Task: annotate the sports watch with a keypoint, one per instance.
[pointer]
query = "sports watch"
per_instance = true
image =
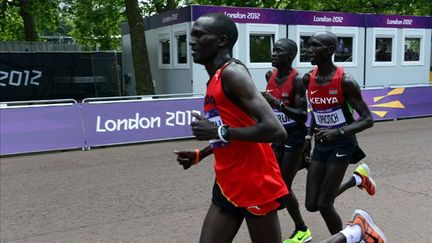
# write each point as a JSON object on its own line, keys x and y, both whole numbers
{"x": 223, "y": 133}
{"x": 340, "y": 131}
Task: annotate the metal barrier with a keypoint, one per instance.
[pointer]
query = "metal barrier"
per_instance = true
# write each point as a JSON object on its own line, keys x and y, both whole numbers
{"x": 122, "y": 120}
{"x": 41, "y": 125}
{"x": 46, "y": 125}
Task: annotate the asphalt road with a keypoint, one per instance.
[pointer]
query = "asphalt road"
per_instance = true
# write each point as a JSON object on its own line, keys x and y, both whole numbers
{"x": 138, "y": 193}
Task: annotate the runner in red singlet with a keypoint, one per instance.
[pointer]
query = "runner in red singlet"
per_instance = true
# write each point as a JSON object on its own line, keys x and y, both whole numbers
{"x": 334, "y": 96}
{"x": 286, "y": 94}
{"x": 240, "y": 125}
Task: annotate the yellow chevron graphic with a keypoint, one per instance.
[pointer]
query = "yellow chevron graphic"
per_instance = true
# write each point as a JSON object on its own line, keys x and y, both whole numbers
{"x": 393, "y": 104}
{"x": 378, "y": 98}
{"x": 396, "y": 91}
{"x": 380, "y": 113}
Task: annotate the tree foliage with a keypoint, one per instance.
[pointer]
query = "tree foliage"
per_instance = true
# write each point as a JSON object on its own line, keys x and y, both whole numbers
{"x": 96, "y": 23}
{"x": 24, "y": 19}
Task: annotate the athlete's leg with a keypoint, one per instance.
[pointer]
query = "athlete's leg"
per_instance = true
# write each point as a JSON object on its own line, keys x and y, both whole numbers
{"x": 289, "y": 168}
{"x": 219, "y": 226}
{"x": 337, "y": 238}
{"x": 347, "y": 184}
{"x": 360, "y": 178}
{"x": 264, "y": 229}
{"x": 329, "y": 188}
{"x": 316, "y": 173}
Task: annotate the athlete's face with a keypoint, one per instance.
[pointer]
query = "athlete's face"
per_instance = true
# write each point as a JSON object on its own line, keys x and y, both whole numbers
{"x": 204, "y": 41}
{"x": 281, "y": 55}
{"x": 319, "y": 51}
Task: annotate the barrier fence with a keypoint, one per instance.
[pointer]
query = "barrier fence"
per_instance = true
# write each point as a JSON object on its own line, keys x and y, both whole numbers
{"x": 35, "y": 126}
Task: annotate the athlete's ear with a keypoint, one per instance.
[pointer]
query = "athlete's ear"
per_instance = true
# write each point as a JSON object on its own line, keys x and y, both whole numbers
{"x": 332, "y": 49}
{"x": 223, "y": 40}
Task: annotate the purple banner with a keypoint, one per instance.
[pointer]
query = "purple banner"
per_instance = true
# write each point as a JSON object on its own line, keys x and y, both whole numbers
{"x": 114, "y": 123}
{"x": 394, "y": 103}
{"x": 288, "y": 17}
{"x": 168, "y": 18}
{"x": 325, "y": 18}
{"x": 398, "y": 21}
{"x": 34, "y": 129}
{"x": 245, "y": 15}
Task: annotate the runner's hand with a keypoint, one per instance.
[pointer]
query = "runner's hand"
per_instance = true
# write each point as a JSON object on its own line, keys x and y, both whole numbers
{"x": 325, "y": 135}
{"x": 270, "y": 99}
{"x": 186, "y": 158}
{"x": 203, "y": 129}
{"x": 307, "y": 149}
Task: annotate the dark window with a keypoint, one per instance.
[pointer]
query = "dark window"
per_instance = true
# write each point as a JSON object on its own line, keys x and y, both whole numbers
{"x": 261, "y": 47}
{"x": 165, "y": 48}
{"x": 304, "y": 48}
{"x": 383, "y": 49}
{"x": 344, "y": 50}
{"x": 181, "y": 49}
{"x": 412, "y": 49}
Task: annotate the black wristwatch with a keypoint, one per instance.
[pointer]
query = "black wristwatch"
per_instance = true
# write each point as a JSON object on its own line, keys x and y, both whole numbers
{"x": 223, "y": 133}
{"x": 340, "y": 131}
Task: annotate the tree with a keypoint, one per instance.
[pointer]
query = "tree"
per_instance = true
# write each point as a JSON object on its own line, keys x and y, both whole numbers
{"x": 23, "y": 19}
{"x": 96, "y": 23}
{"x": 143, "y": 78}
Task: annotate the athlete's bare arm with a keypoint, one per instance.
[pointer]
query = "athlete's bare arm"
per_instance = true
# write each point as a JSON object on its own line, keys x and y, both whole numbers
{"x": 352, "y": 93}
{"x": 306, "y": 79}
{"x": 187, "y": 158}
{"x": 299, "y": 113}
{"x": 239, "y": 87}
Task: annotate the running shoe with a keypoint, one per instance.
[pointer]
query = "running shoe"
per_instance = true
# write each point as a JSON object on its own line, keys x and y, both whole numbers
{"x": 299, "y": 236}
{"x": 367, "y": 182}
{"x": 370, "y": 232}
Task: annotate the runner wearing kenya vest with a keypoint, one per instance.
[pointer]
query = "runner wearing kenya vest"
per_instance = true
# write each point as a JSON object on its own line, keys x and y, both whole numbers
{"x": 330, "y": 109}
{"x": 333, "y": 95}
{"x": 286, "y": 94}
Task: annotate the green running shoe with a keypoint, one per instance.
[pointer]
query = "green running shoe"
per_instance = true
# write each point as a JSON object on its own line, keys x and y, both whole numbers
{"x": 299, "y": 236}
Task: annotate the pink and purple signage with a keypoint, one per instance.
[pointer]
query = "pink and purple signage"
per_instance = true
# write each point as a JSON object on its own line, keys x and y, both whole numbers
{"x": 288, "y": 17}
{"x": 398, "y": 21}
{"x": 35, "y": 129}
{"x": 325, "y": 18}
{"x": 245, "y": 15}
{"x": 128, "y": 122}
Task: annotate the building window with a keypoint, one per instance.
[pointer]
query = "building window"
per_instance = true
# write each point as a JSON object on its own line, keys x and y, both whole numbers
{"x": 304, "y": 48}
{"x": 181, "y": 49}
{"x": 165, "y": 51}
{"x": 383, "y": 49}
{"x": 413, "y": 46}
{"x": 412, "y": 49}
{"x": 344, "y": 50}
{"x": 261, "y": 46}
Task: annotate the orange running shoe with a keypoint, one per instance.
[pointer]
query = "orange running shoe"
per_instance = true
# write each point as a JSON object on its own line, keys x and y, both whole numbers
{"x": 370, "y": 232}
{"x": 367, "y": 182}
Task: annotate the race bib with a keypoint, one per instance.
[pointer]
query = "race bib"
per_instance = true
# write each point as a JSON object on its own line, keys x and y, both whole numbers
{"x": 214, "y": 117}
{"x": 285, "y": 120}
{"x": 329, "y": 119}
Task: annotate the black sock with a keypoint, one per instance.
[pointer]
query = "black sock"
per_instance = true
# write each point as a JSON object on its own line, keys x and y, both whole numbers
{"x": 302, "y": 227}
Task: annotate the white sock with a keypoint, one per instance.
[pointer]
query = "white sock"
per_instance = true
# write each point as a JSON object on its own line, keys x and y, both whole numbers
{"x": 358, "y": 179}
{"x": 352, "y": 233}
